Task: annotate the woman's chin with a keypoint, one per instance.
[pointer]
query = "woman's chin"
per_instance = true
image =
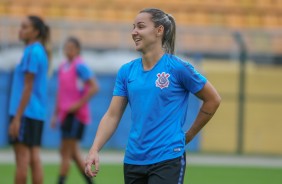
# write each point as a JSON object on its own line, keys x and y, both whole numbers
{"x": 138, "y": 48}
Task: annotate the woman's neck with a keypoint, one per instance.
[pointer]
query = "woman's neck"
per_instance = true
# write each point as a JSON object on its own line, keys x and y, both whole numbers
{"x": 150, "y": 58}
{"x": 31, "y": 41}
{"x": 72, "y": 58}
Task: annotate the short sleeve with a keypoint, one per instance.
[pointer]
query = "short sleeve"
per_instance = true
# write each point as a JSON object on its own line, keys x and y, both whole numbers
{"x": 120, "y": 88}
{"x": 190, "y": 78}
{"x": 84, "y": 72}
{"x": 31, "y": 61}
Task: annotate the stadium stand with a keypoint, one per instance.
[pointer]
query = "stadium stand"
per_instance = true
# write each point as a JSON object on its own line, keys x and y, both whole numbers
{"x": 231, "y": 15}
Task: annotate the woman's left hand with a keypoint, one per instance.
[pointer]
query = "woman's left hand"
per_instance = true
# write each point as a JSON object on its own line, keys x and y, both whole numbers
{"x": 74, "y": 108}
{"x": 54, "y": 122}
{"x": 14, "y": 128}
{"x": 188, "y": 137}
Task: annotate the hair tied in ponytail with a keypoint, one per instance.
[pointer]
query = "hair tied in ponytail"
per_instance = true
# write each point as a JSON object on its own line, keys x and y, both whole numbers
{"x": 167, "y": 21}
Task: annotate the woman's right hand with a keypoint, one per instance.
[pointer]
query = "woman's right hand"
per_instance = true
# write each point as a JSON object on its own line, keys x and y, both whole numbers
{"x": 54, "y": 122}
{"x": 106, "y": 128}
{"x": 92, "y": 159}
{"x": 14, "y": 128}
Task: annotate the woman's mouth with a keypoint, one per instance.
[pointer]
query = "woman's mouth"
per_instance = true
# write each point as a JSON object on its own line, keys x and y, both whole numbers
{"x": 136, "y": 40}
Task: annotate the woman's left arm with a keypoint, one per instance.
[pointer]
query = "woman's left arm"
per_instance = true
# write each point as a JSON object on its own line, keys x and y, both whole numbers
{"x": 93, "y": 89}
{"x": 211, "y": 101}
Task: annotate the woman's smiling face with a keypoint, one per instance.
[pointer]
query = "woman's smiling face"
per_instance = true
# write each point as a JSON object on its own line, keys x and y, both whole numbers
{"x": 144, "y": 33}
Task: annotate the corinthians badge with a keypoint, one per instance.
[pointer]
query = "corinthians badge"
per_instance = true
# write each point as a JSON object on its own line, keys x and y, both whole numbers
{"x": 162, "y": 80}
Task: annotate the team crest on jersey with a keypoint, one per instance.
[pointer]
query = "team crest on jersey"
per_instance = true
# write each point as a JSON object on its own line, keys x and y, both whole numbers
{"x": 162, "y": 80}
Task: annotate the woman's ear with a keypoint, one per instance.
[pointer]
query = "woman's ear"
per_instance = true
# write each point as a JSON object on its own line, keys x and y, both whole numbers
{"x": 36, "y": 32}
{"x": 160, "y": 30}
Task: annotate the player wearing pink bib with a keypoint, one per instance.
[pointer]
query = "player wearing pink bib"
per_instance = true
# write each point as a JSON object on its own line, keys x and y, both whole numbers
{"x": 76, "y": 86}
{"x": 71, "y": 92}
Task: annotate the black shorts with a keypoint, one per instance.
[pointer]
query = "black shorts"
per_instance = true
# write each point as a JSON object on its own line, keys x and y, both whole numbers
{"x": 30, "y": 132}
{"x": 72, "y": 128}
{"x": 165, "y": 172}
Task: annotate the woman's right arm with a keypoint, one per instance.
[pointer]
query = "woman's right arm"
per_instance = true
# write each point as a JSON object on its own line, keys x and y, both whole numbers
{"x": 55, "y": 115}
{"x": 105, "y": 130}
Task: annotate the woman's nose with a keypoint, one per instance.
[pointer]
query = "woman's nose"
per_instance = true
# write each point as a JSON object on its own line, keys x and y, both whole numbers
{"x": 134, "y": 32}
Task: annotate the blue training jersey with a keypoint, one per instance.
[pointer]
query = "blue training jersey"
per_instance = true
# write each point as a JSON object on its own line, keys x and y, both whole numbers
{"x": 34, "y": 61}
{"x": 84, "y": 72}
{"x": 158, "y": 99}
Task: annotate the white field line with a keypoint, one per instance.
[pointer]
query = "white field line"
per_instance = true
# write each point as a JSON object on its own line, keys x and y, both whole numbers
{"x": 48, "y": 157}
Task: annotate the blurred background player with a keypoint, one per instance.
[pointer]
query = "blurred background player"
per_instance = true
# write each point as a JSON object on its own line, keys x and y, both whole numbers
{"x": 28, "y": 99}
{"x": 76, "y": 87}
{"x": 157, "y": 87}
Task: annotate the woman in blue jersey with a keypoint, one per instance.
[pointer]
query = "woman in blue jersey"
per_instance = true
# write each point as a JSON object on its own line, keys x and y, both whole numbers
{"x": 157, "y": 87}
{"x": 29, "y": 99}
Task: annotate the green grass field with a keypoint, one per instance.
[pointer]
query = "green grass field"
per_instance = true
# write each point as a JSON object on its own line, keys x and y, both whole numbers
{"x": 112, "y": 174}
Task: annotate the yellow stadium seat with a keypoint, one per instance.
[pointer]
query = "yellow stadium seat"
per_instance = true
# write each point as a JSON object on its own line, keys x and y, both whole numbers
{"x": 45, "y": 3}
{"x": 16, "y": 10}
{"x": 61, "y": 3}
{"x": 234, "y": 14}
{"x": 265, "y": 4}
{"x": 235, "y": 21}
{"x": 128, "y": 15}
{"x": 75, "y": 3}
{"x": 201, "y": 19}
{"x": 280, "y": 21}
{"x": 253, "y": 20}
{"x": 91, "y": 14}
{"x": 18, "y": 2}
{"x": 270, "y": 21}
{"x": 3, "y": 8}
{"x": 95, "y": 14}
{"x": 182, "y": 18}
{"x": 246, "y": 3}
{"x": 53, "y": 11}
{"x": 229, "y": 3}
{"x": 109, "y": 15}
{"x": 73, "y": 13}
{"x": 279, "y": 4}
{"x": 216, "y": 19}
{"x": 85, "y": 14}
{"x": 36, "y": 10}
{"x": 195, "y": 2}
